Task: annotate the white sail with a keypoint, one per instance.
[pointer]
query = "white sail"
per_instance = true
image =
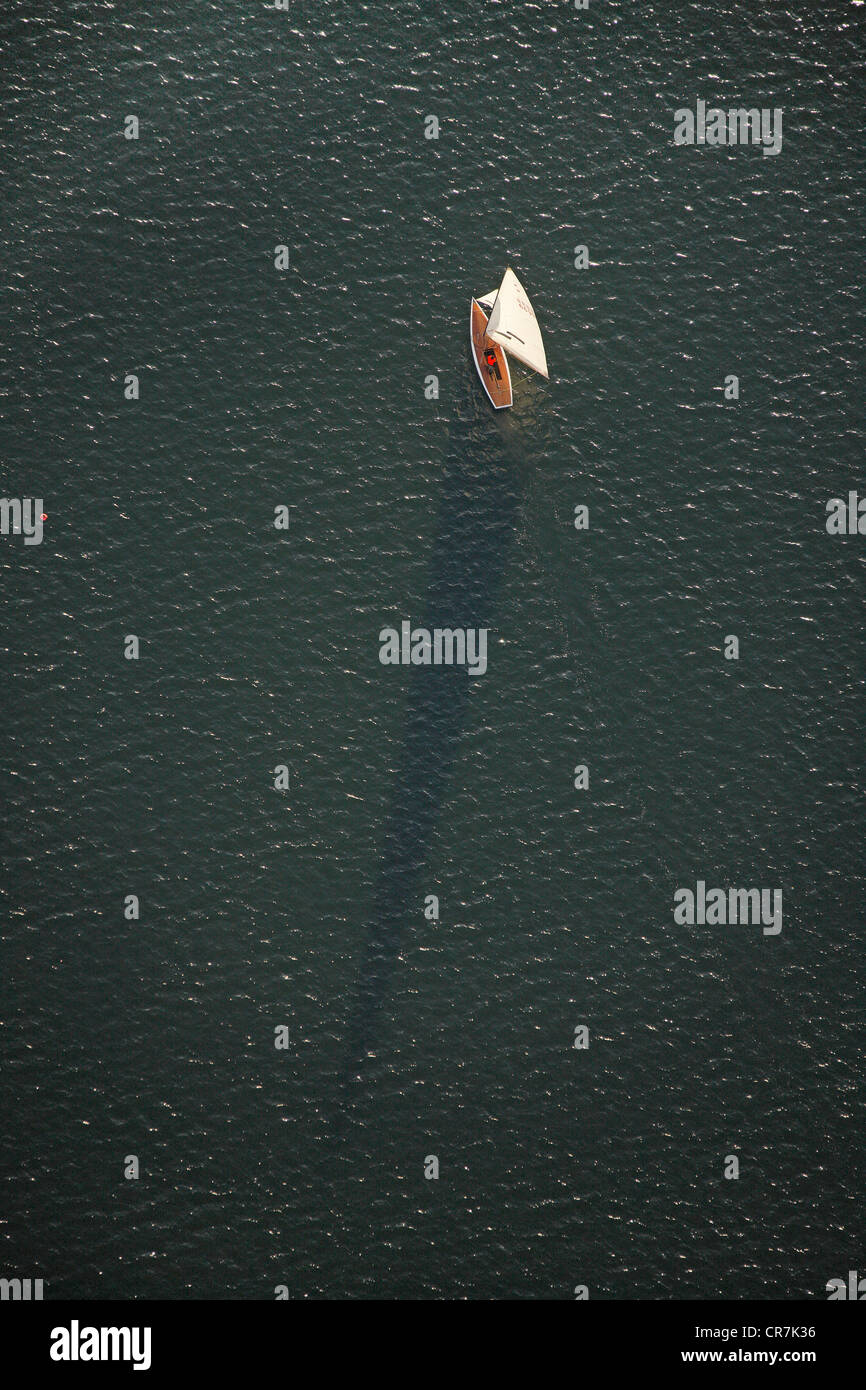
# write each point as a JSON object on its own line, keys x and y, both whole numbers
{"x": 513, "y": 323}
{"x": 486, "y": 300}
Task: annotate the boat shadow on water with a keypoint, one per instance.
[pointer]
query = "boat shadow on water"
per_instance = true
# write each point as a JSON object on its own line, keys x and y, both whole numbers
{"x": 486, "y": 471}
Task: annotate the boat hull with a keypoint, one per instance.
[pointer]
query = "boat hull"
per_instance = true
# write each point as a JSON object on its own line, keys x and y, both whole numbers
{"x": 490, "y": 360}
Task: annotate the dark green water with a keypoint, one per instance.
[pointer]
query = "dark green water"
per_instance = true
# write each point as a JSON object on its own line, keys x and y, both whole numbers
{"x": 259, "y": 647}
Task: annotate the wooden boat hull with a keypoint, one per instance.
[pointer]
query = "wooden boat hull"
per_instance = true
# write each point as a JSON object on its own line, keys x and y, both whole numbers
{"x": 490, "y": 360}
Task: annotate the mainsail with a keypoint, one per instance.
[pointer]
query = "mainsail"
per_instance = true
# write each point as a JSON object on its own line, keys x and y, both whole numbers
{"x": 513, "y": 323}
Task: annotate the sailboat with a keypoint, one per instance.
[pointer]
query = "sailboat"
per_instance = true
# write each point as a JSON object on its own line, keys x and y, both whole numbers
{"x": 504, "y": 322}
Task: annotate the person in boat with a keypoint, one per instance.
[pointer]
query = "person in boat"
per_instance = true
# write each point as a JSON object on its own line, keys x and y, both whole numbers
{"x": 492, "y": 364}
